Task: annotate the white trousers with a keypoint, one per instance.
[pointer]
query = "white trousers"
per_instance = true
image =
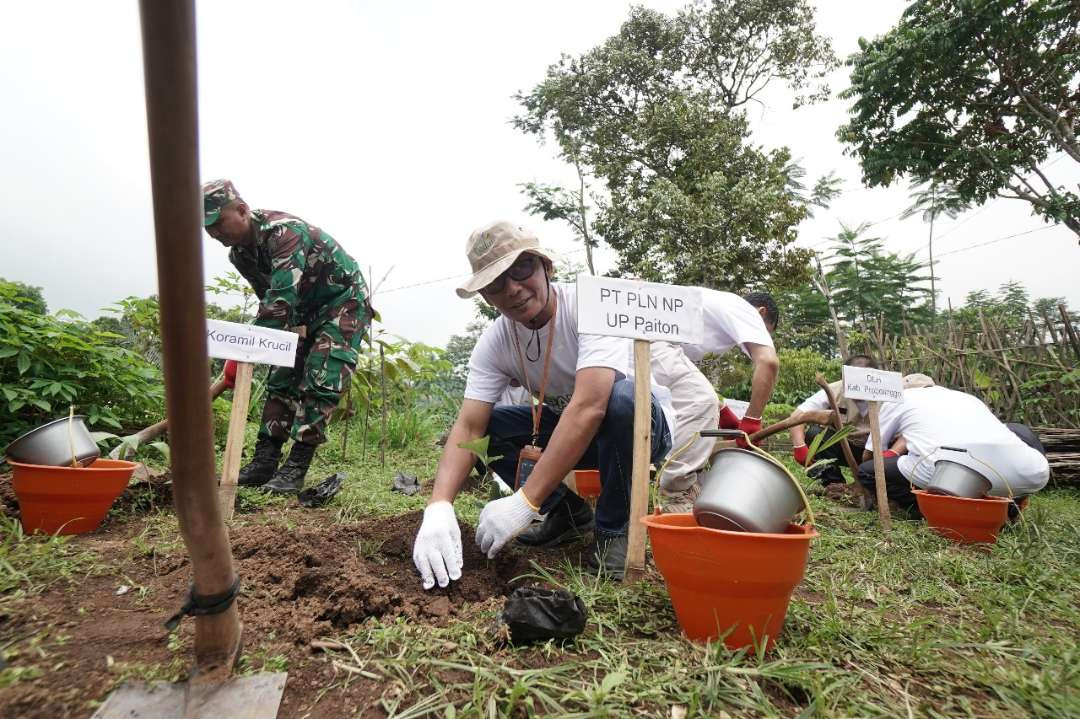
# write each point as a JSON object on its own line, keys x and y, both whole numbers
{"x": 696, "y": 408}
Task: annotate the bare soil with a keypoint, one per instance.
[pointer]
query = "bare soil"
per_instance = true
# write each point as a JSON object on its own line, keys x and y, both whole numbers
{"x": 303, "y": 578}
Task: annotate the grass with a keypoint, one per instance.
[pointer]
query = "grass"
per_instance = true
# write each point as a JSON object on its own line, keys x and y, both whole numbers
{"x": 907, "y": 624}
{"x": 29, "y": 564}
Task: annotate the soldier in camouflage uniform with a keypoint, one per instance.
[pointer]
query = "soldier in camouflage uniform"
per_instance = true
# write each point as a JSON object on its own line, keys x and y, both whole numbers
{"x": 302, "y": 278}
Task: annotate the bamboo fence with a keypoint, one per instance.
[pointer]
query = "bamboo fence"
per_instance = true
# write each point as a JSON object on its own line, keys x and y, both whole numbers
{"x": 1025, "y": 371}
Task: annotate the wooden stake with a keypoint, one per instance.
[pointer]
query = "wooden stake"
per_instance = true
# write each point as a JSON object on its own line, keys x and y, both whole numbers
{"x": 382, "y": 439}
{"x": 879, "y": 468}
{"x": 168, "y": 40}
{"x": 639, "y": 491}
{"x": 1067, "y": 321}
{"x": 234, "y": 442}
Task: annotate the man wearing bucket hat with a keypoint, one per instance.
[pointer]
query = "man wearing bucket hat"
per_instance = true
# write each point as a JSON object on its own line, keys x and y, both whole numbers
{"x": 931, "y": 420}
{"x": 729, "y": 321}
{"x": 582, "y": 416}
{"x": 302, "y": 277}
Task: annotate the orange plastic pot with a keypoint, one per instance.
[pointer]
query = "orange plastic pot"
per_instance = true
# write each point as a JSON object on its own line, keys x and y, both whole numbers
{"x": 587, "y": 482}
{"x": 68, "y": 500}
{"x": 731, "y": 584}
{"x": 964, "y": 520}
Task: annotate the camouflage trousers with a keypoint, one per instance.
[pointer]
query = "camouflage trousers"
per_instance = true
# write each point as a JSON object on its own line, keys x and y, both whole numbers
{"x": 300, "y": 399}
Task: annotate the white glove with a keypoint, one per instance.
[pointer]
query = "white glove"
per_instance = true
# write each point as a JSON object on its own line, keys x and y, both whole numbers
{"x": 503, "y": 519}
{"x": 437, "y": 550}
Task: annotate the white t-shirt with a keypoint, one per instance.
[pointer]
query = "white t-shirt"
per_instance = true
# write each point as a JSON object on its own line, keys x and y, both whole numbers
{"x": 729, "y": 321}
{"x": 494, "y": 361}
{"x": 933, "y": 417}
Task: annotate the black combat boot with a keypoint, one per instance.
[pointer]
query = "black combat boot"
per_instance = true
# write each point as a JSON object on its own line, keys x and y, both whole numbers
{"x": 261, "y": 468}
{"x": 289, "y": 479}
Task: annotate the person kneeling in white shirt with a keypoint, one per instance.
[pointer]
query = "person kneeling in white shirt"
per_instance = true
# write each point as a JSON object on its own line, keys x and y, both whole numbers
{"x": 932, "y": 419}
{"x": 584, "y": 417}
{"x": 729, "y": 321}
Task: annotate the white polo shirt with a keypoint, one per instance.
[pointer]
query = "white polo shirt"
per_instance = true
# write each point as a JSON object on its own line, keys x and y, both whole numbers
{"x": 930, "y": 418}
{"x": 730, "y": 321}
{"x": 495, "y": 360}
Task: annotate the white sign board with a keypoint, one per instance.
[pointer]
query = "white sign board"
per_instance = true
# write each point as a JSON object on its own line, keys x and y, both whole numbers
{"x": 737, "y": 407}
{"x": 638, "y": 310}
{"x": 875, "y": 385}
{"x": 248, "y": 343}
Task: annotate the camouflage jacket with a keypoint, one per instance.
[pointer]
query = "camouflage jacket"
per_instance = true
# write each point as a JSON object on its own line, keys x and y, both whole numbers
{"x": 300, "y": 273}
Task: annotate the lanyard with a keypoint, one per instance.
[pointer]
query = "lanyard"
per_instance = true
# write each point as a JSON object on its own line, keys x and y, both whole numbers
{"x": 537, "y": 407}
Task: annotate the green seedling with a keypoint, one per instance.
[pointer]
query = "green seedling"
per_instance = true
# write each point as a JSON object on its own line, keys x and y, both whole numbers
{"x": 479, "y": 447}
{"x": 129, "y": 445}
{"x": 820, "y": 444}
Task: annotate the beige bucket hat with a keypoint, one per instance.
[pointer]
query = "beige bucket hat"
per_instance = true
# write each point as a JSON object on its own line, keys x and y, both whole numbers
{"x": 916, "y": 380}
{"x": 493, "y": 248}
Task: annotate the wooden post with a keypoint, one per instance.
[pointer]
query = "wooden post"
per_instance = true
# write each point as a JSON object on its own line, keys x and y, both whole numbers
{"x": 234, "y": 442}
{"x": 382, "y": 439}
{"x": 639, "y": 492}
{"x": 1069, "y": 330}
{"x": 168, "y": 35}
{"x": 879, "y": 468}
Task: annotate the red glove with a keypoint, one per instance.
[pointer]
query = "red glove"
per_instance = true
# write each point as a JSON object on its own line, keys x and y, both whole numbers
{"x": 728, "y": 419}
{"x": 800, "y": 454}
{"x": 748, "y": 425}
{"x": 889, "y": 453}
{"x": 230, "y": 373}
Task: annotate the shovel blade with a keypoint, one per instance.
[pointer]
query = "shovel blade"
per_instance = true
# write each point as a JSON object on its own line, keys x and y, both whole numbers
{"x": 252, "y": 697}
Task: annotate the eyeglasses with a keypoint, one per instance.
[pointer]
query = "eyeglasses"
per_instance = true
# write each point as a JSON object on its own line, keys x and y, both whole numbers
{"x": 522, "y": 269}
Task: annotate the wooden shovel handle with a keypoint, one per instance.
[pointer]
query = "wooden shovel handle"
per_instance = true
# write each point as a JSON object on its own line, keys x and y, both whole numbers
{"x": 817, "y": 416}
{"x": 156, "y": 430}
{"x": 838, "y": 424}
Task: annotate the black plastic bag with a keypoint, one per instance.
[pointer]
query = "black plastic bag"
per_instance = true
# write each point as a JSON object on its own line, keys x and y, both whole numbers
{"x": 407, "y": 484}
{"x": 536, "y": 614}
{"x": 322, "y": 492}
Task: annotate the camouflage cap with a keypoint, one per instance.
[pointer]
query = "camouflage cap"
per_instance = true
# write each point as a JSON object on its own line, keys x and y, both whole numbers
{"x": 217, "y": 194}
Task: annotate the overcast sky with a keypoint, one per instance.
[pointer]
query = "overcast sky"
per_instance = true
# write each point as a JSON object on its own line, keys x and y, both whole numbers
{"x": 386, "y": 124}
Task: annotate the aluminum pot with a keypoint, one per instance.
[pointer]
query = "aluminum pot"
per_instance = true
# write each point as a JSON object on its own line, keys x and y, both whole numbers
{"x": 744, "y": 492}
{"x": 54, "y": 443}
{"x": 957, "y": 480}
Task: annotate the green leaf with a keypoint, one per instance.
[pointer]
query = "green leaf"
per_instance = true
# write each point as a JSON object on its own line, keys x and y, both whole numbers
{"x": 161, "y": 447}
{"x": 6, "y": 352}
{"x": 478, "y": 446}
{"x": 23, "y": 363}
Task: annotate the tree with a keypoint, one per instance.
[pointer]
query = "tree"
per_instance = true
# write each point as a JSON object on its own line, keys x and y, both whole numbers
{"x": 976, "y": 94}
{"x": 931, "y": 200}
{"x": 869, "y": 284}
{"x": 27, "y": 296}
{"x": 804, "y": 320}
{"x": 231, "y": 285}
{"x": 656, "y": 114}
{"x": 552, "y": 202}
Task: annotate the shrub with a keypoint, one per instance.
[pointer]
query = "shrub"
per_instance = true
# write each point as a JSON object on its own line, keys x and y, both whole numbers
{"x": 48, "y": 362}
{"x": 731, "y": 374}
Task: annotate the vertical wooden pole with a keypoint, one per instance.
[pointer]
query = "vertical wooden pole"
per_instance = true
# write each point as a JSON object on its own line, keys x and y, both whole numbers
{"x": 168, "y": 35}
{"x": 348, "y": 415}
{"x": 639, "y": 491}
{"x": 382, "y": 440}
{"x": 1069, "y": 330}
{"x": 234, "y": 441}
{"x": 879, "y": 468}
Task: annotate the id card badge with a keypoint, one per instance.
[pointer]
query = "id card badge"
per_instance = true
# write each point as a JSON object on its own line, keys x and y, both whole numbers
{"x": 527, "y": 459}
